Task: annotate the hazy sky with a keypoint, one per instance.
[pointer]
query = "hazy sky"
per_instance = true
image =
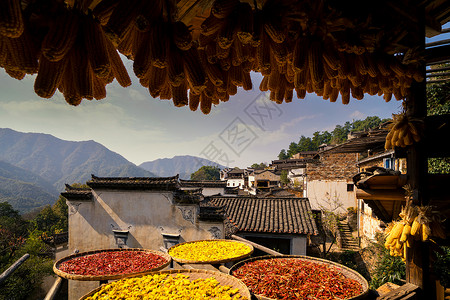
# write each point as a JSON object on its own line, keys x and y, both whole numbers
{"x": 248, "y": 128}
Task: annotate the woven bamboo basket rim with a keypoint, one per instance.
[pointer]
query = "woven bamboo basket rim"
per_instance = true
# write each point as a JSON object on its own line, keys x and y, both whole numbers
{"x": 346, "y": 271}
{"x": 217, "y": 261}
{"x": 222, "y": 278}
{"x": 78, "y": 277}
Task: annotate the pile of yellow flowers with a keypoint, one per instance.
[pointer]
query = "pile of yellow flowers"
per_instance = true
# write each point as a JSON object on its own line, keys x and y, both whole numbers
{"x": 209, "y": 250}
{"x": 164, "y": 287}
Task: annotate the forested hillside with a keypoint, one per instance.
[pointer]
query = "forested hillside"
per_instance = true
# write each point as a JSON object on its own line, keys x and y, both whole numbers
{"x": 337, "y": 136}
{"x": 34, "y": 167}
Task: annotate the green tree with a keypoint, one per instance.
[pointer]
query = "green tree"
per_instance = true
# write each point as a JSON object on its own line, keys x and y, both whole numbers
{"x": 320, "y": 138}
{"x": 438, "y": 103}
{"x": 337, "y": 136}
{"x": 260, "y": 165}
{"x": 27, "y": 279}
{"x": 283, "y": 155}
{"x": 13, "y": 231}
{"x": 206, "y": 173}
{"x": 293, "y": 148}
{"x": 46, "y": 220}
{"x": 340, "y": 133}
{"x": 367, "y": 123}
{"x": 61, "y": 210}
{"x": 15, "y": 241}
{"x": 305, "y": 144}
{"x": 284, "y": 177}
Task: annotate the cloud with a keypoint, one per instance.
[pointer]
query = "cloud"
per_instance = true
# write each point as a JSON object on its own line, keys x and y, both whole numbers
{"x": 357, "y": 115}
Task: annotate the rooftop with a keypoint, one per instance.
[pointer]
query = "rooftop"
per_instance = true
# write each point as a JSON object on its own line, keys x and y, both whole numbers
{"x": 165, "y": 183}
{"x": 203, "y": 183}
{"x": 268, "y": 215}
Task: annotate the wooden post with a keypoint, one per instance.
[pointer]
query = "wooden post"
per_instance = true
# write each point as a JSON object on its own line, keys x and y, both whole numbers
{"x": 417, "y": 258}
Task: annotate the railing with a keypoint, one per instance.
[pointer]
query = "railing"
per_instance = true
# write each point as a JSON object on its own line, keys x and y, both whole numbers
{"x": 13, "y": 267}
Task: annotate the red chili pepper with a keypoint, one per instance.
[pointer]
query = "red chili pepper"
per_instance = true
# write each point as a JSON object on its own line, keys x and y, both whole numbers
{"x": 293, "y": 278}
{"x": 112, "y": 263}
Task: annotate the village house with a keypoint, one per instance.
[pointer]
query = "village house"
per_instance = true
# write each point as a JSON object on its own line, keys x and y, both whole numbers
{"x": 284, "y": 224}
{"x": 329, "y": 182}
{"x": 157, "y": 213}
{"x": 379, "y": 181}
{"x": 208, "y": 187}
{"x": 150, "y": 213}
{"x": 263, "y": 180}
{"x": 295, "y": 168}
{"x": 236, "y": 178}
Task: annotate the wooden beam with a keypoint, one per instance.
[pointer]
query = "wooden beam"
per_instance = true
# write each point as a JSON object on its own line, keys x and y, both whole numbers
{"x": 378, "y": 194}
{"x": 437, "y": 54}
{"x": 417, "y": 257}
{"x": 404, "y": 292}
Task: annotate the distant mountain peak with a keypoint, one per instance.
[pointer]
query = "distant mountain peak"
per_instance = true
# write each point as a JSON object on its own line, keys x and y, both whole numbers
{"x": 59, "y": 162}
{"x": 184, "y": 165}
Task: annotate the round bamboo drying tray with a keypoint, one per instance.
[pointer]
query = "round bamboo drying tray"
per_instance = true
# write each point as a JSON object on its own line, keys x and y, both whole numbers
{"x": 217, "y": 261}
{"x": 347, "y": 272}
{"x": 194, "y": 274}
{"x": 112, "y": 276}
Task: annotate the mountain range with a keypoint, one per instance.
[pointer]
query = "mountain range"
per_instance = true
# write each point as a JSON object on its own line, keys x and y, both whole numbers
{"x": 184, "y": 165}
{"x": 35, "y": 166}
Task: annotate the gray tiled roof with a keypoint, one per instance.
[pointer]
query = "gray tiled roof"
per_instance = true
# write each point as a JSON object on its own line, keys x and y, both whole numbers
{"x": 166, "y": 183}
{"x": 270, "y": 215}
{"x": 77, "y": 193}
{"x": 203, "y": 183}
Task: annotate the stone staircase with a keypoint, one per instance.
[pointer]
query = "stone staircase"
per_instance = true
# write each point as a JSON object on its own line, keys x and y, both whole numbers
{"x": 347, "y": 241}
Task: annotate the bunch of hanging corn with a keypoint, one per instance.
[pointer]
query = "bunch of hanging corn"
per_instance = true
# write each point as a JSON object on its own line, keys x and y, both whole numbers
{"x": 403, "y": 131}
{"x": 417, "y": 223}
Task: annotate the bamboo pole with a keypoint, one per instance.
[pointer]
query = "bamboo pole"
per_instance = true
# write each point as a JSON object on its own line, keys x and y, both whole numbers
{"x": 13, "y": 267}
{"x": 54, "y": 290}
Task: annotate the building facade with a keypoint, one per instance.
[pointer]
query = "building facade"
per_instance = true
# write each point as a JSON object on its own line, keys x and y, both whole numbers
{"x": 329, "y": 181}
{"x": 149, "y": 213}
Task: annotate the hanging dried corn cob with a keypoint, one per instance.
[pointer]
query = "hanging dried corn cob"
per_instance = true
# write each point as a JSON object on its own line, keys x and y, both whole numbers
{"x": 123, "y": 16}
{"x": 22, "y": 53}
{"x": 49, "y": 76}
{"x": 159, "y": 42}
{"x": 117, "y": 68}
{"x": 95, "y": 43}
{"x": 11, "y": 21}
{"x": 176, "y": 68}
{"x": 194, "y": 100}
{"x": 180, "y": 95}
{"x": 182, "y": 37}
{"x": 103, "y": 10}
{"x": 222, "y": 8}
{"x": 19, "y": 75}
{"x": 193, "y": 70}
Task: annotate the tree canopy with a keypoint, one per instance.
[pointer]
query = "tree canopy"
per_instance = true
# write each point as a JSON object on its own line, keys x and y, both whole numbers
{"x": 337, "y": 136}
{"x": 206, "y": 173}
{"x": 438, "y": 102}
{"x": 258, "y": 166}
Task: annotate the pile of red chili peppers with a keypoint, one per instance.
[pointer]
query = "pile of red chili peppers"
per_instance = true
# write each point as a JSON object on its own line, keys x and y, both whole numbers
{"x": 296, "y": 278}
{"x": 112, "y": 263}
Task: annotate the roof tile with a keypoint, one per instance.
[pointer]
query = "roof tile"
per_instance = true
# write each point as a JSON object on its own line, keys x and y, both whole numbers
{"x": 277, "y": 215}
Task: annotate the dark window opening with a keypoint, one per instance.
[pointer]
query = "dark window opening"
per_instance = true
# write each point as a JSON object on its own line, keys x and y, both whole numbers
{"x": 280, "y": 245}
{"x": 350, "y": 187}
